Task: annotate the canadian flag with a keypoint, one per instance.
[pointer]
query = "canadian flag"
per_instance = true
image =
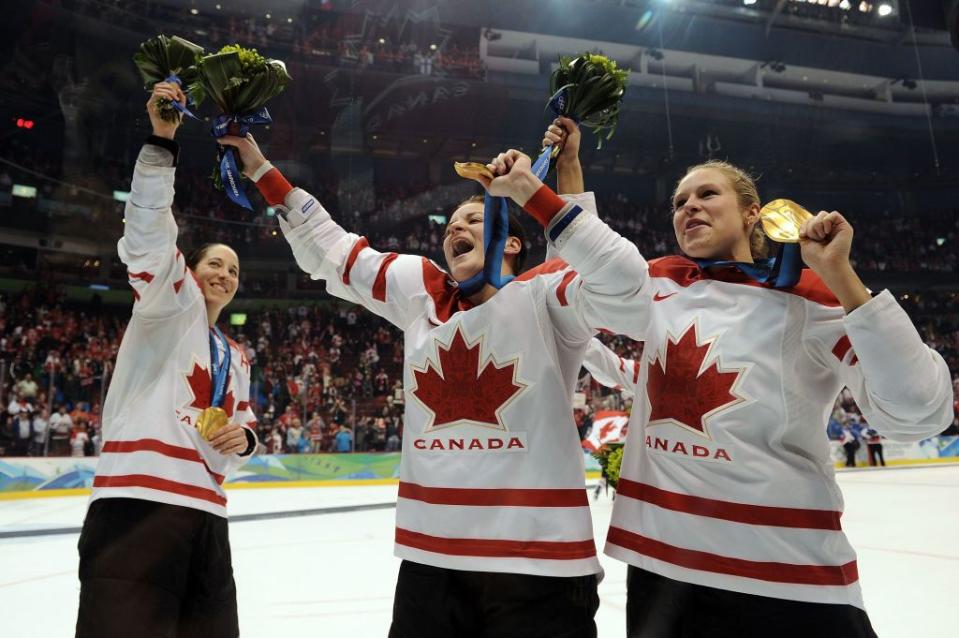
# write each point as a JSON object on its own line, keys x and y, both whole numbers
{"x": 608, "y": 427}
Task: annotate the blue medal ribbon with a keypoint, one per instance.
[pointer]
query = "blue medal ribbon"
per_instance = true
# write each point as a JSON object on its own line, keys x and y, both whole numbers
{"x": 173, "y": 79}
{"x": 496, "y": 217}
{"x": 229, "y": 172}
{"x": 219, "y": 370}
{"x": 496, "y": 226}
{"x": 781, "y": 271}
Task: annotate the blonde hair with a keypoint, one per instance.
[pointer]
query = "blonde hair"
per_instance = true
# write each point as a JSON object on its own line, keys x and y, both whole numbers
{"x": 745, "y": 187}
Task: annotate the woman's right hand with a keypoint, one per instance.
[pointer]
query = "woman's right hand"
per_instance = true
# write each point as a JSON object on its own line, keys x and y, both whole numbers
{"x": 168, "y": 91}
{"x": 250, "y": 154}
{"x": 564, "y": 134}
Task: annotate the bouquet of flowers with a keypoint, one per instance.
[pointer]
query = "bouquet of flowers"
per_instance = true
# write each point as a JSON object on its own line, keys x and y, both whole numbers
{"x": 240, "y": 82}
{"x": 169, "y": 59}
{"x": 610, "y": 457}
{"x": 589, "y": 89}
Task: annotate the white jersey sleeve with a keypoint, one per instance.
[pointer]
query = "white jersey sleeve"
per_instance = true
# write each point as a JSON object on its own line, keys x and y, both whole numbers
{"x": 156, "y": 269}
{"x": 902, "y": 386}
{"x": 387, "y": 284}
{"x": 608, "y": 287}
{"x": 610, "y": 369}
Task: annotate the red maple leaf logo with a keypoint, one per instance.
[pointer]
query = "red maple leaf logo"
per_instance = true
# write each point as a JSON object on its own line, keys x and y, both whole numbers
{"x": 681, "y": 390}
{"x": 202, "y": 387}
{"x": 460, "y": 389}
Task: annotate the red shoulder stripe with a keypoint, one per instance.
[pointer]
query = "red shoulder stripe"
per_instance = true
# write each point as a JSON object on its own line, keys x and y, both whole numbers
{"x": 561, "y": 288}
{"x": 145, "y": 276}
{"x": 177, "y": 285}
{"x": 360, "y": 244}
{"x": 841, "y": 348}
{"x": 379, "y": 284}
{"x": 685, "y": 272}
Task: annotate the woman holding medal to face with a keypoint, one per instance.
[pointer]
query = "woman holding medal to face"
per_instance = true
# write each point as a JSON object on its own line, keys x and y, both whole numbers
{"x": 728, "y": 512}
{"x": 154, "y": 551}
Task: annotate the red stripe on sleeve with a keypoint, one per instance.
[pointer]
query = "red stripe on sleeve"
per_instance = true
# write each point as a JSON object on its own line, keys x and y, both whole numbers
{"x": 828, "y": 575}
{"x": 145, "y": 276}
{"x": 635, "y": 371}
{"x": 561, "y": 288}
{"x": 841, "y": 348}
{"x": 358, "y": 247}
{"x": 544, "y": 205}
{"x": 274, "y": 187}
{"x": 554, "y": 550}
{"x": 379, "y": 285}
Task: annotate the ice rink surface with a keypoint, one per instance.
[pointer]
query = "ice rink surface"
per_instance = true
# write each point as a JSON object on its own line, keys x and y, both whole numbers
{"x": 332, "y": 574}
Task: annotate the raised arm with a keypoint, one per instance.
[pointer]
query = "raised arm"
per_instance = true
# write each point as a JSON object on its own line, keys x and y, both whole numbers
{"x": 902, "y": 386}
{"x": 388, "y": 284}
{"x": 609, "y": 285}
{"x": 155, "y": 268}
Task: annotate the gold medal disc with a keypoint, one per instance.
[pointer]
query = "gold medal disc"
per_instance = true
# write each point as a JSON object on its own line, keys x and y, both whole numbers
{"x": 210, "y": 421}
{"x": 472, "y": 170}
{"x": 782, "y": 219}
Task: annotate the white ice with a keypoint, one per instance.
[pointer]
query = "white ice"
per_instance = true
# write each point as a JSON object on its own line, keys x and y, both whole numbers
{"x": 333, "y": 574}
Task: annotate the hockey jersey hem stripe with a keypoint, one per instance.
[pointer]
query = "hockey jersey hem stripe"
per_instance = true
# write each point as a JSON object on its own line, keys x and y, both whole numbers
{"x": 501, "y": 548}
{"x": 495, "y": 497}
{"x": 727, "y": 510}
{"x": 155, "y": 445}
{"x": 833, "y": 575}
{"x": 161, "y": 484}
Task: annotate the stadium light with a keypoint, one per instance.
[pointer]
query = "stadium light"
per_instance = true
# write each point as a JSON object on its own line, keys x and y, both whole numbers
{"x": 749, "y": 2}
{"x": 121, "y": 196}
{"x": 884, "y": 10}
{"x": 21, "y": 190}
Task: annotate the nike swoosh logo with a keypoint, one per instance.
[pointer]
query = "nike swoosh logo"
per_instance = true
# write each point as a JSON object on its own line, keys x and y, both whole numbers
{"x": 659, "y": 297}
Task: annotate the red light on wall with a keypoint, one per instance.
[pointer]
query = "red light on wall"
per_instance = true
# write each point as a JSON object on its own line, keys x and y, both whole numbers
{"x": 24, "y": 123}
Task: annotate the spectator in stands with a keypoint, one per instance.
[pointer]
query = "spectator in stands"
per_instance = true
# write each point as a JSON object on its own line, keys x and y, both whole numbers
{"x": 343, "y": 440}
{"x": 40, "y": 425}
{"x": 61, "y": 425}
{"x": 21, "y": 417}
{"x": 27, "y": 388}
{"x": 79, "y": 438}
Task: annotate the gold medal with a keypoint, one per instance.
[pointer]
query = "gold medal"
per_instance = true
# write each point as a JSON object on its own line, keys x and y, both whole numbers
{"x": 472, "y": 170}
{"x": 210, "y": 422}
{"x": 782, "y": 219}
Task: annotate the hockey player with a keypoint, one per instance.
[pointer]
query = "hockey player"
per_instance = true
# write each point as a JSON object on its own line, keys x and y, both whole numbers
{"x": 492, "y": 520}
{"x": 154, "y": 550}
{"x": 728, "y": 511}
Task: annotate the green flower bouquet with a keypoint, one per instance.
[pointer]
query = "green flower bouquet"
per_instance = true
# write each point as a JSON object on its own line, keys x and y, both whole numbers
{"x": 169, "y": 59}
{"x": 240, "y": 82}
{"x": 610, "y": 457}
{"x": 589, "y": 88}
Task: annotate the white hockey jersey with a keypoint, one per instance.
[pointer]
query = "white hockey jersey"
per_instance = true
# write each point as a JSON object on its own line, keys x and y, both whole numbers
{"x": 492, "y": 471}
{"x": 151, "y": 448}
{"x": 727, "y": 479}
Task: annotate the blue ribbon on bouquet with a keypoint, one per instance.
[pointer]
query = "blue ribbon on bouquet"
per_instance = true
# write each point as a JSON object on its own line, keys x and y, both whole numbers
{"x": 781, "y": 271}
{"x": 174, "y": 79}
{"x": 496, "y": 219}
{"x": 230, "y": 174}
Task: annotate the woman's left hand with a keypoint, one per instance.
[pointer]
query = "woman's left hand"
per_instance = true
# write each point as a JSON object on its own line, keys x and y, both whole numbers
{"x": 230, "y": 439}
{"x": 513, "y": 177}
{"x": 825, "y": 242}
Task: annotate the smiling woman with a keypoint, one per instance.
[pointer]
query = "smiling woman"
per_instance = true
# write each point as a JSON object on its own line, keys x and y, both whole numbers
{"x": 154, "y": 551}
